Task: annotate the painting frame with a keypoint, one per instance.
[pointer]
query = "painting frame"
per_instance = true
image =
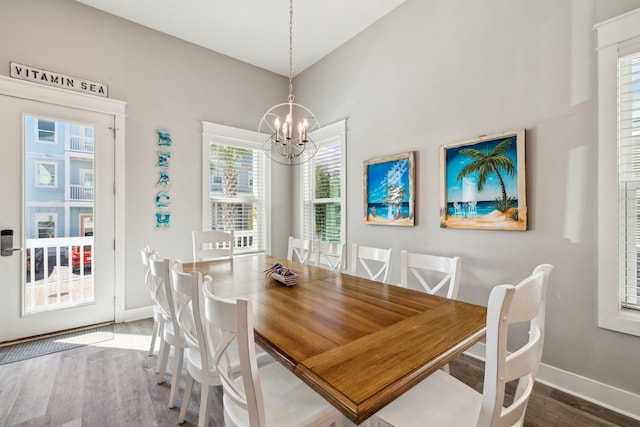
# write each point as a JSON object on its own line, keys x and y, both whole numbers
{"x": 483, "y": 183}
{"x": 388, "y": 203}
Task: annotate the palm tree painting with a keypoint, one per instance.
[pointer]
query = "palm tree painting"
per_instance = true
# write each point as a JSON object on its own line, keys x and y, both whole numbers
{"x": 389, "y": 190}
{"x": 484, "y": 183}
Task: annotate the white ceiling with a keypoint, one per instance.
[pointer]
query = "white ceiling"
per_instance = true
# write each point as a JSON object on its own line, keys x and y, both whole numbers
{"x": 256, "y": 31}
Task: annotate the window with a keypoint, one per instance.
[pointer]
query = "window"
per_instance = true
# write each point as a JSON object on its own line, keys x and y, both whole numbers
{"x": 46, "y": 174}
{"x": 81, "y": 138}
{"x": 234, "y": 186}
{"x": 46, "y": 131}
{"x": 86, "y": 224}
{"x": 629, "y": 176}
{"x": 619, "y": 173}
{"x": 323, "y": 184}
{"x": 86, "y": 178}
{"x": 46, "y": 225}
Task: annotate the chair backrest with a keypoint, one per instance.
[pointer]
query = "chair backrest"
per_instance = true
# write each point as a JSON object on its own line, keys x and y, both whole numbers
{"x": 330, "y": 254}
{"x": 229, "y": 320}
{"x": 434, "y": 273}
{"x": 188, "y": 303}
{"x": 508, "y": 304}
{"x": 146, "y": 253}
{"x": 300, "y": 248}
{"x": 159, "y": 269}
{"x": 212, "y": 244}
{"x": 369, "y": 258}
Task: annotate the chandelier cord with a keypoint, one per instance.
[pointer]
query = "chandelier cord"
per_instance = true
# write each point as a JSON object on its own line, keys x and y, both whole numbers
{"x": 290, "y": 98}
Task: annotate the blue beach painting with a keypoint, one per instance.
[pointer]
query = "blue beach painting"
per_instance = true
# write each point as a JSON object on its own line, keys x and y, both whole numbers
{"x": 389, "y": 190}
{"x": 484, "y": 183}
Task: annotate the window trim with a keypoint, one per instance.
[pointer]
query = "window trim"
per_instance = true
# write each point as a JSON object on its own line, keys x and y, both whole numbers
{"x": 612, "y": 35}
{"x": 227, "y": 135}
{"x": 325, "y": 136}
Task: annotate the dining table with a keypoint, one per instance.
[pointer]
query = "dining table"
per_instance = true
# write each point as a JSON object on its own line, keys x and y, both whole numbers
{"x": 357, "y": 342}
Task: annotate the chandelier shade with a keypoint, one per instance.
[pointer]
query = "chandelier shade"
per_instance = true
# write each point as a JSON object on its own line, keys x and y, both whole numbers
{"x": 289, "y": 125}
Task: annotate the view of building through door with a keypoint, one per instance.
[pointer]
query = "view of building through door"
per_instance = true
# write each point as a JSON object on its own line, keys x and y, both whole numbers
{"x": 58, "y": 199}
{"x": 58, "y": 214}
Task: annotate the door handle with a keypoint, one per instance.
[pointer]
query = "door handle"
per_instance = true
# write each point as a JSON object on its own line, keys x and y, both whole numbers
{"x": 6, "y": 243}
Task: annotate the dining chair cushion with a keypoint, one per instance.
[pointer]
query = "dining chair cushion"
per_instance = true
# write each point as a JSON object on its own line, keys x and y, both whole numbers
{"x": 460, "y": 406}
{"x": 278, "y": 388}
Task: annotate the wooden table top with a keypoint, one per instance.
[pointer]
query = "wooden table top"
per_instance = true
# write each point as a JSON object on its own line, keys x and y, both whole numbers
{"x": 358, "y": 343}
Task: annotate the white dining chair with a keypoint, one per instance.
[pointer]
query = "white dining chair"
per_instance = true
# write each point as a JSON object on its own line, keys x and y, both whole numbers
{"x": 298, "y": 250}
{"x": 158, "y": 321}
{"x": 329, "y": 254}
{"x": 212, "y": 244}
{"x": 436, "y": 274}
{"x": 198, "y": 357}
{"x": 371, "y": 258}
{"x": 172, "y": 333}
{"x": 442, "y": 400}
{"x": 270, "y": 396}
{"x": 199, "y": 362}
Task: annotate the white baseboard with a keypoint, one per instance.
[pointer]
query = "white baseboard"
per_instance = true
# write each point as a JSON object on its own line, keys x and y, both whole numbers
{"x": 609, "y": 397}
{"x": 134, "y": 314}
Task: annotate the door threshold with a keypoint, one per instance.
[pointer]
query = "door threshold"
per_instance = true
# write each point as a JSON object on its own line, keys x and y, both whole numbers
{"x": 53, "y": 334}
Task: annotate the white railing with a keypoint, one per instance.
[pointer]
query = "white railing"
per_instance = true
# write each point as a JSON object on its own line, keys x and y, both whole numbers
{"x": 80, "y": 193}
{"x": 245, "y": 241}
{"x": 79, "y": 143}
{"x": 50, "y": 281}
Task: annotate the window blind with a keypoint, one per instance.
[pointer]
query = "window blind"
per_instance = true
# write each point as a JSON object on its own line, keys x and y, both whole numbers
{"x": 322, "y": 193}
{"x": 237, "y": 195}
{"x": 629, "y": 175}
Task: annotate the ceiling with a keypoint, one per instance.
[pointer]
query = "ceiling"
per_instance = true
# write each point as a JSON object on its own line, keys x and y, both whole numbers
{"x": 256, "y": 31}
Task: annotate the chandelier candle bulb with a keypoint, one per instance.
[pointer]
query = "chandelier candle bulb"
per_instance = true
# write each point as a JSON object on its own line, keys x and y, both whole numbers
{"x": 305, "y": 124}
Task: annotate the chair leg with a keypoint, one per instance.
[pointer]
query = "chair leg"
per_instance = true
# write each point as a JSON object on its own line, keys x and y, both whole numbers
{"x": 154, "y": 334}
{"x": 175, "y": 376}
{"x": 188, "y": 387}
{"x": 204, "y": 400}
{"x": 161, "y": 348}
{"x": 162, "y": 361}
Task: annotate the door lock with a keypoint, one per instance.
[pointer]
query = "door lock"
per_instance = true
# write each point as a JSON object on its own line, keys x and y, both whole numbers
{"x": 6, "y": 243}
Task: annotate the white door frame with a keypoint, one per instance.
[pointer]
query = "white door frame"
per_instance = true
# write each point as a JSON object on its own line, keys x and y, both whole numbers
{"x": 55, "y": 96}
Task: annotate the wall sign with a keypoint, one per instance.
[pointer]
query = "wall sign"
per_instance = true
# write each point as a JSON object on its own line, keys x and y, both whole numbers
{"x": 50, "y": 78}
{"x": 163, "y": 198}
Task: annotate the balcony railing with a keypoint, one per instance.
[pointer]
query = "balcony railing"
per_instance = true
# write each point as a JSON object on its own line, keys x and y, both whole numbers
{"x": 53, "y": 278}
{"x": 80, "y": 143}
{"x": 80, "y": 193}
{"x": 245, "y": 241}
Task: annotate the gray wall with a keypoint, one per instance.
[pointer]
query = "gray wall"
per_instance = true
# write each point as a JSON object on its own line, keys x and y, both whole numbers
{"x": 440, "y": 71}
{"x": 167, "y": 84}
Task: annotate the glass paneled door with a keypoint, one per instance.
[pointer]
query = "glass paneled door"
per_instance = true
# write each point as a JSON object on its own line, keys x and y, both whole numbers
{"x": 58, "y": 181}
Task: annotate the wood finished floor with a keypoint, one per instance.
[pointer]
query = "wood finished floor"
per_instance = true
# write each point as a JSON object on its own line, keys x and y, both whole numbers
{"x": 113, "y": 384}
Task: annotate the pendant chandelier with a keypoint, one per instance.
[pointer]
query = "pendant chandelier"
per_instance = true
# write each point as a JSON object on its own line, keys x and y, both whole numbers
{"x": 289, "y": 125}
